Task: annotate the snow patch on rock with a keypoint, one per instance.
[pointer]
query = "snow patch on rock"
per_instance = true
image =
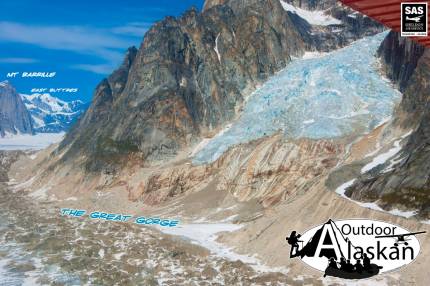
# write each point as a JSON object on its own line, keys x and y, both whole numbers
{"x": 312, "y": 17}
{"x": 206, "y": 234}
{"x": 382, "y": 158}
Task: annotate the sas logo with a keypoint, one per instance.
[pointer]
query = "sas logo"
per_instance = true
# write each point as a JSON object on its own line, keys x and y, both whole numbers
{"x": 355, "y": 248}
{"x": 414, "y": 17}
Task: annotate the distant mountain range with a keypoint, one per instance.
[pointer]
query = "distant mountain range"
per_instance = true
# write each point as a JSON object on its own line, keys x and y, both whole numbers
{"x": 36, "y": 113}
{"x": 50, "y": 114}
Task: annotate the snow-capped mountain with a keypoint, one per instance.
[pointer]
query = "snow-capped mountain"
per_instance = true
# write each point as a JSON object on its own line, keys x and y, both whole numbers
{"x": 51, "y": 114}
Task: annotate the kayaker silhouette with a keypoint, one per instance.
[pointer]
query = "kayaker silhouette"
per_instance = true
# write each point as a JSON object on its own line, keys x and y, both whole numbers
{"x": 293, "y": 240}
{"x": 350, "y": 271}
{"x": 358, "y": 267}
{"x": 366, "y": 262}
{"x": 332, "y": 263}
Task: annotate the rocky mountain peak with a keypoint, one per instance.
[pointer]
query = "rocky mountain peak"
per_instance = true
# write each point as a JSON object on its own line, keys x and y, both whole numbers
{"x": 14, "y": 116}
{"x": 190, "y": 77}
{"x": 210, "y": 3}
{"x": 304, "y": 4}
{"x": 118, "y": 78}
{"x": 4, "y": 83}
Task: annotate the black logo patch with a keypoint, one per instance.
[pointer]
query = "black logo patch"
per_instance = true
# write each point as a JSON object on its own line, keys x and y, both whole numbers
{"x": 414, "y": 19}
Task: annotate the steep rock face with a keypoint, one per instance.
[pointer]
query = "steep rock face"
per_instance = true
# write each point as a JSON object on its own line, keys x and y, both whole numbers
{"x": 403, "y": 181}
{"x": 190, "y": 76}
{"x": 400, "y": 57}
{"x": 7, "y": 158}
{"x": 407, "y": 64}
{"x": 108, "y": 90}
{"x": 211, "y": 3}
{"x": 14, "y": 116}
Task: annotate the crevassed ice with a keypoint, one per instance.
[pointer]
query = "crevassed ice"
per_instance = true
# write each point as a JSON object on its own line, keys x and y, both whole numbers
{"x": 324, "y": 97}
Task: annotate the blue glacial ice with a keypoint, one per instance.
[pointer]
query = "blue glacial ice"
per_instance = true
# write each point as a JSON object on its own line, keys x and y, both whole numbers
{"x": 329, "y": 96}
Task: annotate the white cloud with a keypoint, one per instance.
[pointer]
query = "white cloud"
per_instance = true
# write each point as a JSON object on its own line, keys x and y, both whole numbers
{"x": 136, "y": 29}
{"x": 108, "y": 44}
{"x": 100, "y": 69}
{"x": 58, "y": 37}
{"x": 18, "y": 60}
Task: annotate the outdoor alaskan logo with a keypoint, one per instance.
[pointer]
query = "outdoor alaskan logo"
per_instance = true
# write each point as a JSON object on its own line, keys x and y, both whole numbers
{"x": 414, "y": 19}
{"x": 355, "y": 248}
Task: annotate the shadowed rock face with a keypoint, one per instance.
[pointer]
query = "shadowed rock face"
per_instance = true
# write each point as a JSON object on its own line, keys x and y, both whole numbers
{"x": 408, "y": 64}
{"x": 407, "y": 185}
{"x": 190, "y": 76}
{"x": 400, "y": 57}
{"x": 14, "y": 116}
{"x": 7, "y": 158}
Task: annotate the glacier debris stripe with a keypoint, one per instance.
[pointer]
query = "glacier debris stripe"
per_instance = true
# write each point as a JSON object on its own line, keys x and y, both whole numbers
{"x": 331, "y": 96}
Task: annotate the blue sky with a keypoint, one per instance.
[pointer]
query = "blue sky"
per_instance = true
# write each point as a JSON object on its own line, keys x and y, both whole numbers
{"x": 82, "y": 41}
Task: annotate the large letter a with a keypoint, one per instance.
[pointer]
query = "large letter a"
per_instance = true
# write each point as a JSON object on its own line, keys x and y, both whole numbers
{"x": 327, "y": 245}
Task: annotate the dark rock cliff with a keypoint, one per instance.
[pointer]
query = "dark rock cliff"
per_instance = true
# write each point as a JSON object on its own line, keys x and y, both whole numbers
{"x": 400, "y": 57}
{"x": 304, "y": 4}
{"x": 190, "y": 76}
{"x": 407, "y": 184}
{"x": 14, "y": 116}
{"x": 7, "y": 158}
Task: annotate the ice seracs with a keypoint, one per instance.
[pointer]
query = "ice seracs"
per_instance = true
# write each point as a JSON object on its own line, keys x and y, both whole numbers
{"x": 329, "y": 96}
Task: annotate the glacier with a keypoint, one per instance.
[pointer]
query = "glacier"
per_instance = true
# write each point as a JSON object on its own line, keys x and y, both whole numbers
{"x": 327, "y": 96}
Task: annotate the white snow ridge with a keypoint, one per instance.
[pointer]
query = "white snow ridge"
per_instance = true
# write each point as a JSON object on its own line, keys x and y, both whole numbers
{"x": 312, "y": 17}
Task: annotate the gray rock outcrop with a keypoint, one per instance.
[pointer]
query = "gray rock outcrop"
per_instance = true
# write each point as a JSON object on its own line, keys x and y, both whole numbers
{"x": 191, "y": 75}
{"x": 14, "y": 116}
{"x": 406, "y": 185}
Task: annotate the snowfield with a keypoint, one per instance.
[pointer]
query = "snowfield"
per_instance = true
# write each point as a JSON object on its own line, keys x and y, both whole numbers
{"x": 382, "y": 158}
{"x": 206, "y": 234}
{"x": 30, "y": 142}
{"x": 312, "y": 17}
{"x": 373, "y": 206}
